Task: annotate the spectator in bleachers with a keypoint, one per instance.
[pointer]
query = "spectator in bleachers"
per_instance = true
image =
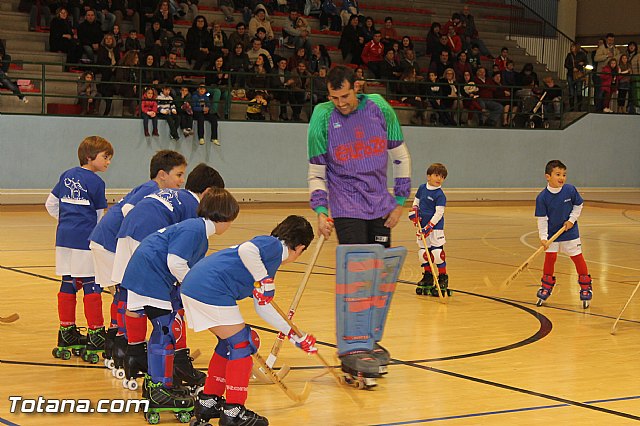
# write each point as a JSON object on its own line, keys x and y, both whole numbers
{"x": 473, "y": 57}
{"x": 36, "y": 9}
{"x": 187, "y": 9}
{"x": 107, "y": 57}
{"x": 127, "y": 75}
{"x": 62, "y": 37}
{"x": 305, "y": 32}
{"x": 199, "y": 46}
{"x": 624, "y": 82}
{"x": 441, "y": 64}
{"x": 147, "y": 10}
{"x": 486, "y": 88}
{"x": 149, "y": 111}
{"x": 501, "y": 61}
{"x": 433, "y": 39}
{"x": 238, "y": 62}
{"x": 634, "y": 93}
{"x": 167, "y": 111}
{"x": 389, "y": 70}
{"x": 156, "y": 40}
{"x": 268, "y": 45}
{"x": 185, "y": 112}
{"x": 449, "y": 100}
{"x": 320, "y": 90}
{"x": 127, "y": 10}
{"x": 433, "y": 90}
{"x": 300, "y": 89}
{"x": 132, "y": 42}
{"x": 461, "y": 66}
{"x": 409, "y": 62}
{"x": 361, "y": 81}
{"x": 5, "y": 63}
{"x": 454, "y": 23}
{"x": 173, "y": 74}
{"x": 469, "y": 94}
{"x": 349, "y": 44}
{"x": 300, "y": 55}
{"x": 349, "y": 8}
{"x": 527, "y": 71}
{"x": 217, "y": 81}
{"x": 442, "y": 46}
{"x": 552, "y": 102}
{"x": 604, "y": 53}
{"x": 609, "y": 84}
{"x": 202, "y": 111}
{"x": 368, "y": 29}
{"x": 281, "y": 84}
{"x": 295, "y": 37}
{"x": 257, "y": 106}
{"x": 164, "y": 16}
{"x": 261, "y": 20}
{"x": 389, "y": 34}
{"x": 470, "y": 34}
{"x": 502, "y": 95}
{"x": 395, "y": 46}
{"x": 87, "y": 93}
{"x": 454, "y": 41}
{"x": 406, "y": 44}
{"x": 90, "y": 35}
{"x": 220, "y": 40}
{"x": 257, "y": 50}
{"x": 509, "y": 76}
{"x": 574, "y": 63}
{"x": 240, "y": 36}
{"x": 259, "y": 78}
{"x": 409, "y": 93}
{"x": 117, "y": 36}
{"x": 319, "y": 58}
{"x": 329, "y": 16}
{"x": 104, "y": 16}
{"x": 150, "y": 75}
{"x": 373, "y": 54}
{"x": 227, "y": 7}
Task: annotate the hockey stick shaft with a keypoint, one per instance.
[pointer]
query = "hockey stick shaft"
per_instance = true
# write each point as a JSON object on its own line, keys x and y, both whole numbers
{"x": 615, "y": 324}
{"x": 526, "y": 263}
{"x": 275, "y": 349}
{"x": 431, "y": 264}
{"x": 299, "y": 398}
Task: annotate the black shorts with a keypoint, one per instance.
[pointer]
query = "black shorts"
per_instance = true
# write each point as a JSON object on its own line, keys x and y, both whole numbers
{"x": 362, "y": 231}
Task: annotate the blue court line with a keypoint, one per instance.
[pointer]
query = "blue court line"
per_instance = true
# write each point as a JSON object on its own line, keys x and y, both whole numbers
{"x": 7, "y": 422}
{"x": 515, "y": 410}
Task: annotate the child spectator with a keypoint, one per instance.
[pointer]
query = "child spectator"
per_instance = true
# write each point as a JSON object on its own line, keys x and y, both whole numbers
{"x": 150, "y": 111}
{"x": 559, "y": 206}
{"x": 553, "y": 99}
{"x": 78, "y": 201}
{"x": 501, "y": 61}
{"x": 209, "y": 293}
{"x": 473, "y": 58}
{"x": 624, "y": 82}
{"x": 454, "y": 41}
{"x": 470, "y": 95}
{"x": 117, "y": 37}
{"x": 609, "y": 83}
{"x": 428, "y": 214}
{"x": 87, "y": 92}
{"x": 185, "y": 112}
{"x": 167, "y": 111}
{"x": 257, "y": 106}
{"x": 389, "y": 34}
{"x": 201, "y": 106}
{"x": 329, "y": 19}
{"x": 132, "y": 42}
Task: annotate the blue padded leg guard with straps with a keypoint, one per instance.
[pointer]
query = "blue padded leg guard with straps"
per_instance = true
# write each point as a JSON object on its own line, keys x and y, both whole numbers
{"x": 384, "y": 287}
{"x": 161, "y": 350}
{"x": 240, "y": 345}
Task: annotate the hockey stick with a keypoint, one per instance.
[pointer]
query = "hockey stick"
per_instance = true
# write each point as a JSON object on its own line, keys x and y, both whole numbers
{"x": 11, "y": 318}
{"x": 431, "y": 265}
{"x": 324, "y": 362}
{"x": 261, "y": 376}
{"x": 298, "y": 398}
{"x": 275, "y": 349}
{"x": 615, "y": 324}
{"x": 526, "y": 263}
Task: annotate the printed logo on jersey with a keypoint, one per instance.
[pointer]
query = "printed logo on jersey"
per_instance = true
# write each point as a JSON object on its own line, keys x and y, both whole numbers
{"x": 360, "y": 148}
{"x": 337, "y": 125}
{"x": 167, "y": 197}
{"x": 76, "y": 190}
{"x": 568, "y": 200}
{"x": 430, "y": 198}
{"x": 381, "y": 239}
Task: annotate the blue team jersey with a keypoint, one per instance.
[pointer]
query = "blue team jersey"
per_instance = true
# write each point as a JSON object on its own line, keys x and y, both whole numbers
{"x": 222, "y": 278}
{"x": 429, "y": 200}
{"x": 147, "y": 273}
{"x": 557, "y": 208}
{"x": 80, "y": 193}
{"x": 105, "y": 233}
{"x": 158, "y": 210}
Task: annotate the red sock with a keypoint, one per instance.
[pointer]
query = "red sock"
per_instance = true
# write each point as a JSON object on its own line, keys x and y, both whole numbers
{"x": 66, "y": 309}
{"x": 93, "y": 310}
{"x": 549, "y": 263}
{"x": 215, "y": 383}
{"x": 442, "y": 270}
{"x": 114, "y": 314}
{"x": 121, "y": 308}
{"x": 581, "y": 265}
{"x": 179, "y": 330}
{"x": 237, "y": 375}
{"x": 136, "y": 329}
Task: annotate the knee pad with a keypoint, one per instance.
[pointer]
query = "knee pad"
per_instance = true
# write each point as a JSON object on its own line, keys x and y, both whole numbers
{"x": 88, "y": 285}
{"x": 422, "y": 257}
{"x": 68, "y": 285}
{"x": 439, "y": 257}
{"x": 241, "y": 345}
{"x": 162, "y": 333}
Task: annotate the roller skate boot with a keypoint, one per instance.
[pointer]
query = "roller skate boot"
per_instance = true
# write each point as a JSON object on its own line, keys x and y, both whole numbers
{"x": 207, "y": 407}
{"x": 95, "y": 345}
{"x": 425, "y": 285}
{"x": 586, "y": 292}
{"x": 238, "y": 415}
{"x": 119, "y": 352}
{"x": 162, "y": 399}
{"x": 70, "y": 341}
{"x": 135, "y": 365}
{"x": 382, "y": 356}
{"x": 185, "y": 373}
{"x": 443, "y": 280}
{"x": 361, "y": 369}
{"x": 547, "y": 283}
{"x": 108, "y": 347}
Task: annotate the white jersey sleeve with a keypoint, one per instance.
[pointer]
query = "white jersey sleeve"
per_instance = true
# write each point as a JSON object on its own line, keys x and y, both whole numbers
{"x": 177, "y": 266}
{"x": 53, "y": 206}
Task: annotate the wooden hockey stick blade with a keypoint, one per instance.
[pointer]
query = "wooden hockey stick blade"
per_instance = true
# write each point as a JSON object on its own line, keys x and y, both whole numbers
{"x": 11, "y": 318}
{"x": 615, "y": 324}
{"x": 277, "y": 345}
{"x": 298, "y": 398}
{"x": 261, "y": 376}
{"x": 526, "y": 263}
{"x": 196, "y": 354}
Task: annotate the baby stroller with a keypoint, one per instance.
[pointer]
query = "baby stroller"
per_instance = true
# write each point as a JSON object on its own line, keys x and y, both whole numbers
{"x": 534, "y": 116}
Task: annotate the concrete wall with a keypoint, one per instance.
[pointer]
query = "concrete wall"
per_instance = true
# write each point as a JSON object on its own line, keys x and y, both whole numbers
{"x": 600, "y": 151}
{"x": 595, "y": 18}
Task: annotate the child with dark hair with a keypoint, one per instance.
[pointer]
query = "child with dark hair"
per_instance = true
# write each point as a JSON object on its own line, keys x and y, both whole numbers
{"x": 87, "y": 93}
{"x": 185, "y": 112}
{"x": 149, "y": 108}
{"x": 210, "y": 292}
{"x": 201, "y": 106}
{"x": 167, "y": 110}
{"x": 257, "y": 106}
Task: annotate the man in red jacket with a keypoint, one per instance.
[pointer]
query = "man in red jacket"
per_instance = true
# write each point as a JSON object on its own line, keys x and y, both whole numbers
{"x": 373, "y": 54}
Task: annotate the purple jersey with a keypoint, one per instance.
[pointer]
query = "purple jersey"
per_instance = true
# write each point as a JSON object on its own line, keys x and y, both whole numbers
{"x": 81, "y": 193}
{"x": 557, "y": 208}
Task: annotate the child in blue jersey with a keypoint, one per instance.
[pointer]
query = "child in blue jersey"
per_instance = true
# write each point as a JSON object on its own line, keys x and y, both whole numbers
{"x": 155, "y": 211}
{"x": 428, "y": 213}
{"x": 153, "y": 278}
{"x": 166, "y": 170}
{"x": 78, "y": 201}
{"x": 558, "y": 206}
{"x": 209, "y": 294}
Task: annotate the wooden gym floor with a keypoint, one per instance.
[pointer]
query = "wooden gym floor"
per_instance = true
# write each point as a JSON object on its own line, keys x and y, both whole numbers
{"x": 485, "y": 358}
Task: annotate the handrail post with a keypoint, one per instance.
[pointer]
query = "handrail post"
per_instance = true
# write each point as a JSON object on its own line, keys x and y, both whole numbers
{"x": 42, "y": 89}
